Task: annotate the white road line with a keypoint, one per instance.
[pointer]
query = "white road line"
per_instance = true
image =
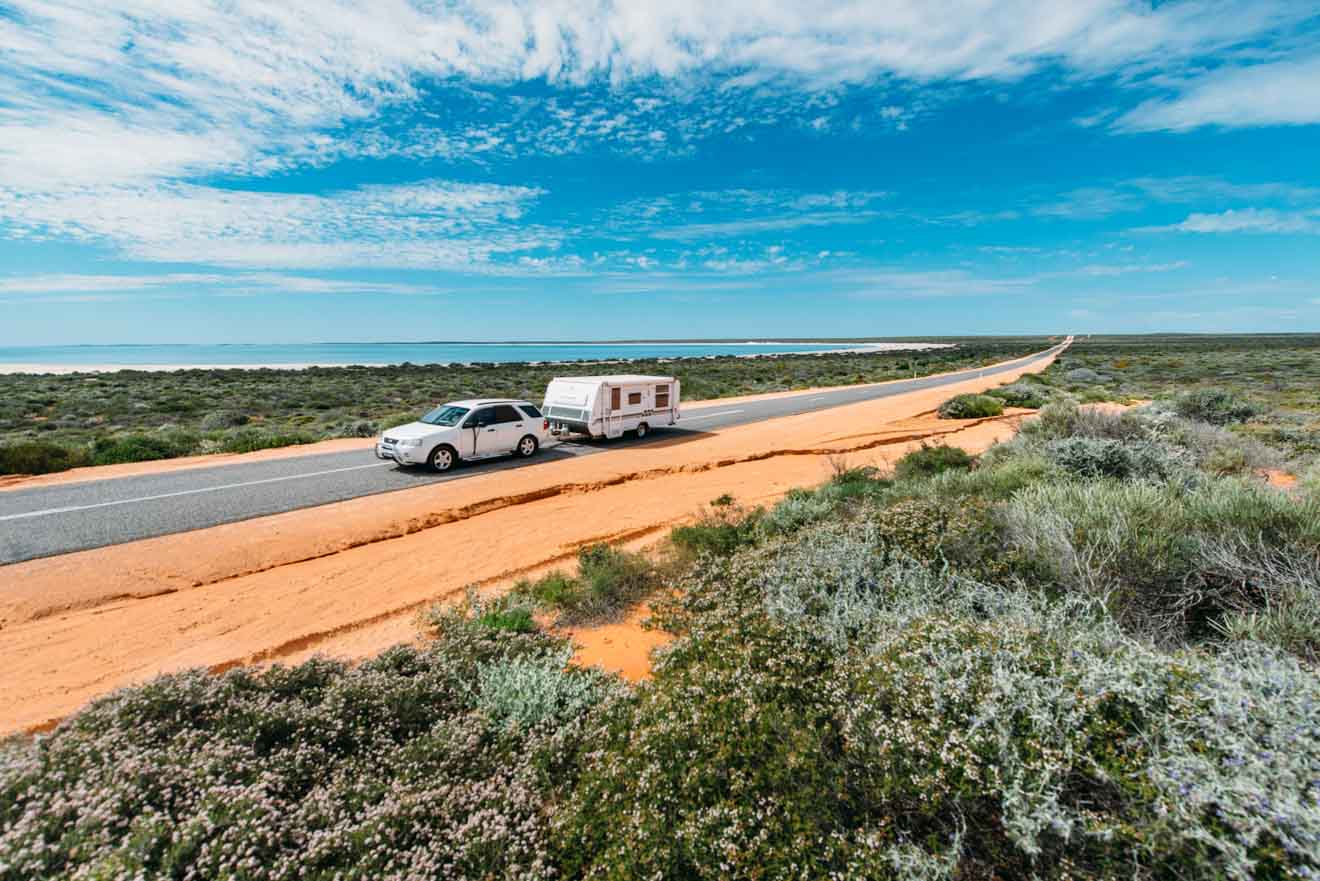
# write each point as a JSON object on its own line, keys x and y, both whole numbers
{"x": 188, "y": 492}
{"x": 709, "y": 415}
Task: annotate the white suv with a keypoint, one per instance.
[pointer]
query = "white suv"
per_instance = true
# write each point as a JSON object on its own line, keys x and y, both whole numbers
{"x": 460, "y": 430}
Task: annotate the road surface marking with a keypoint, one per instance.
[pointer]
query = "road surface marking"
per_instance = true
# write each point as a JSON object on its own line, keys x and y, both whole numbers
{"x": 188, "y": 492}
{"x": 711, "y": 415}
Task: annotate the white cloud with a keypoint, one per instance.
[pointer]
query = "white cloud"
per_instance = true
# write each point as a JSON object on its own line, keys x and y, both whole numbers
{"x": 756, "y": 226}
{"x": 921, "y": 284}
{"x": 433, "y": 224}
{"x": 54, "y": 287}
{"x": 1254, "y": 220}
{"x": 165, "y": 87}
{"x": 1271, "y": 93}
{"x": 1105, "y": 270}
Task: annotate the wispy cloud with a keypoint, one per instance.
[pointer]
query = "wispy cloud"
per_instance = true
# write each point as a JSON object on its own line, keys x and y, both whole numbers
{"x": 433, "y": 224}
{"x": 1272, "y": 93}
{"x": 97, "y": 287}
{"x": 1250, "y": 220}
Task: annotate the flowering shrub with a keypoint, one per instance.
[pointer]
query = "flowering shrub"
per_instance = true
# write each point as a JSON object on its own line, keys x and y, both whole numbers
{"x": 404, "y": 767}
{"x": 833, "y": 713}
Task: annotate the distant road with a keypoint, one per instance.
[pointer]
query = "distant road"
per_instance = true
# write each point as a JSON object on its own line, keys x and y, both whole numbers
{"x": 60, "y": 518}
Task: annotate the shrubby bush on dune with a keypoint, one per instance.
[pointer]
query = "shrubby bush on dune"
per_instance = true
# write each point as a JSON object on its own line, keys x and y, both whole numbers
{"x": 971, "y": 407}
{"x": 1215, "y": 406}
{"x": 434, "y": 763}
{"x": 831, "y": 713}
{"x": 1021, "y": 394}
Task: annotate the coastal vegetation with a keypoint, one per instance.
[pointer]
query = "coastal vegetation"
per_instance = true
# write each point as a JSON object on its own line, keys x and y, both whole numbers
{"x": 53, "y": 422}
{"x": 1088, "y": 653}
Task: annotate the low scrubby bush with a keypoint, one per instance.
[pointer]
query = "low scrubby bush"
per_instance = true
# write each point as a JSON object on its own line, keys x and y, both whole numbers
{"x": 526, "y": 692}
{"x": 607, "y": 580}
{"x": 719, "y": 532}
{"x": 1215, "y": 406}
{"x": 143, "y": 447}
{"x": 38, "y": 457}
{"x": 1092, "y": 457}
{"x": 929, "y": 461}
{"x": 831, "y": 714}
{"x": 1168, "y": 559}
{"x": 435, "y": 762}
{"x": 795, "y": 510}
{"x": 1020, "y": 395}
{"x": 222, "y": 419}
{"x": 251, "y": 440}
{"x": 971, "y": 407}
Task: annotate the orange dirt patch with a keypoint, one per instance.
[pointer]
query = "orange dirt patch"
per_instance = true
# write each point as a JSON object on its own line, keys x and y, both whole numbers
{"x": 622, "y": 647}
{"x": 348, "y": 578}
{"x": 1278, "y": 478}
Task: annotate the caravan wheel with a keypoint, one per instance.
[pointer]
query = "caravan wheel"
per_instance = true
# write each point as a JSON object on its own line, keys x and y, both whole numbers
{"x": 643, "y": 430}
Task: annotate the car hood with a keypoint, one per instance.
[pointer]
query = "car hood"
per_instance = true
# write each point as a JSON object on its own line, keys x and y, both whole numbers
{"x": 415, "y": 429}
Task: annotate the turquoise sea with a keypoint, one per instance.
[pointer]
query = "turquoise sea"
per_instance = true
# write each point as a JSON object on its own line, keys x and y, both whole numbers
{"x": 333, "y": 354}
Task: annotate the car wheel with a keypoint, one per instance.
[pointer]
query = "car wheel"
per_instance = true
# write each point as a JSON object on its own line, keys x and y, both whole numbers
{"x": 527, "y": 447}
{"x": 442, "y": 458}
{"x": 643, "y": 430}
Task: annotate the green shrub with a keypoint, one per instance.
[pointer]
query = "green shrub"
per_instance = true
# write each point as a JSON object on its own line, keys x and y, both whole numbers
{"x": 1170, "y": 561}
{"x": 222, "y": 419}
{"x": 1020, "y": 395}
{"x": 526, "y": 692}
{"x": 718, "y": 533}
{"x": 517, "y": 619}
{"x": 929, "y": 461}
{"x": 797, "y": 509}
{"x": 446, "y": 756}
{"x": 608, "y": 579}
{"x": 38, "y": 457}
{"x": 251, "y": 440}
{"x": 971, "y": 407}
{"x": 1216, "y": 406}
{"x": 832, "y": 715}
{"x": 142, "y": 447}
{"x": 1093, "y": 457}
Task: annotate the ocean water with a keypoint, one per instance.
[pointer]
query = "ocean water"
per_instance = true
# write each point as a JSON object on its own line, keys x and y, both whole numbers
{"x": 334, "y": 354}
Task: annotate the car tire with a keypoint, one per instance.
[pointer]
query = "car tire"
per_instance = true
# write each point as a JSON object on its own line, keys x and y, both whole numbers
{"x": 527, "y": 447}
{"x": 643, "y": 430}
{"x": 443, "y": 458}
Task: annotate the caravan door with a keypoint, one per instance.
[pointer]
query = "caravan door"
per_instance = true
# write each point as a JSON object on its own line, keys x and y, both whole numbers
{"x": 614, "y": 418}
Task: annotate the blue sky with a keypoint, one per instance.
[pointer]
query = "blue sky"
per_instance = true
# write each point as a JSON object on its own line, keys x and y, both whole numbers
{"x": 185, "y": 171}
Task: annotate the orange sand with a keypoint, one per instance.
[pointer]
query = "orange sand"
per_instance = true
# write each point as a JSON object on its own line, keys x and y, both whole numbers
{"x": 622, "y": 647}
{"x": 348, "y": 578}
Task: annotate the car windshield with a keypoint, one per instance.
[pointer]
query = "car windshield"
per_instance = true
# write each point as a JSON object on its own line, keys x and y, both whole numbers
{"x": 445, "y": 414}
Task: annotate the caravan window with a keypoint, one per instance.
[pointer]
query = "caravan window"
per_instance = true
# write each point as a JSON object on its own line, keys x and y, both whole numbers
{"x": 661, "y": 396}
{"x": 634, "y": 397}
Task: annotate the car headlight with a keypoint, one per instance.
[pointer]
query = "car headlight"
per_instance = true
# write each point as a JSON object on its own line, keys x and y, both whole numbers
{"x": 412, "y": 442}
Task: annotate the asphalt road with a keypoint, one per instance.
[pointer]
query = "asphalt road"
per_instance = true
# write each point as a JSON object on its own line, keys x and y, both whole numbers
{"x": 57, "y": 519}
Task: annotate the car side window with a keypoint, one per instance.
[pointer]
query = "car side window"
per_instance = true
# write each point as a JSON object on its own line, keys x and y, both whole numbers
{"x": 505, "y": 413}
{"x": 531, "y": 410}
{"x": 480, "y": 418}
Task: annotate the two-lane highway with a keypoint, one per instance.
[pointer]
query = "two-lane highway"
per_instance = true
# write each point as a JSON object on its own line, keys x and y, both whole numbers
{"x": 60, "y": 518}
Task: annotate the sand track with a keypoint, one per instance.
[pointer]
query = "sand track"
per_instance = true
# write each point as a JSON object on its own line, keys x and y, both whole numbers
{"x": 348, "y": 578}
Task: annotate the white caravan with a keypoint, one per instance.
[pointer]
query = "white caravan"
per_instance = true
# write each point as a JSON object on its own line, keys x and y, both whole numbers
{"x": 607, "y": 406}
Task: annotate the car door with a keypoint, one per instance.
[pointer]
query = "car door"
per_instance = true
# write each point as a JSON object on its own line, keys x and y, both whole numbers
{"x": 478, "y": 434}
{"x": 512, "y": 426}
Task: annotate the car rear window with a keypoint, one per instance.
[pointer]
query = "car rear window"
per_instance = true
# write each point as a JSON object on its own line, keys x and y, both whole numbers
{"x": 530, "y": 410}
